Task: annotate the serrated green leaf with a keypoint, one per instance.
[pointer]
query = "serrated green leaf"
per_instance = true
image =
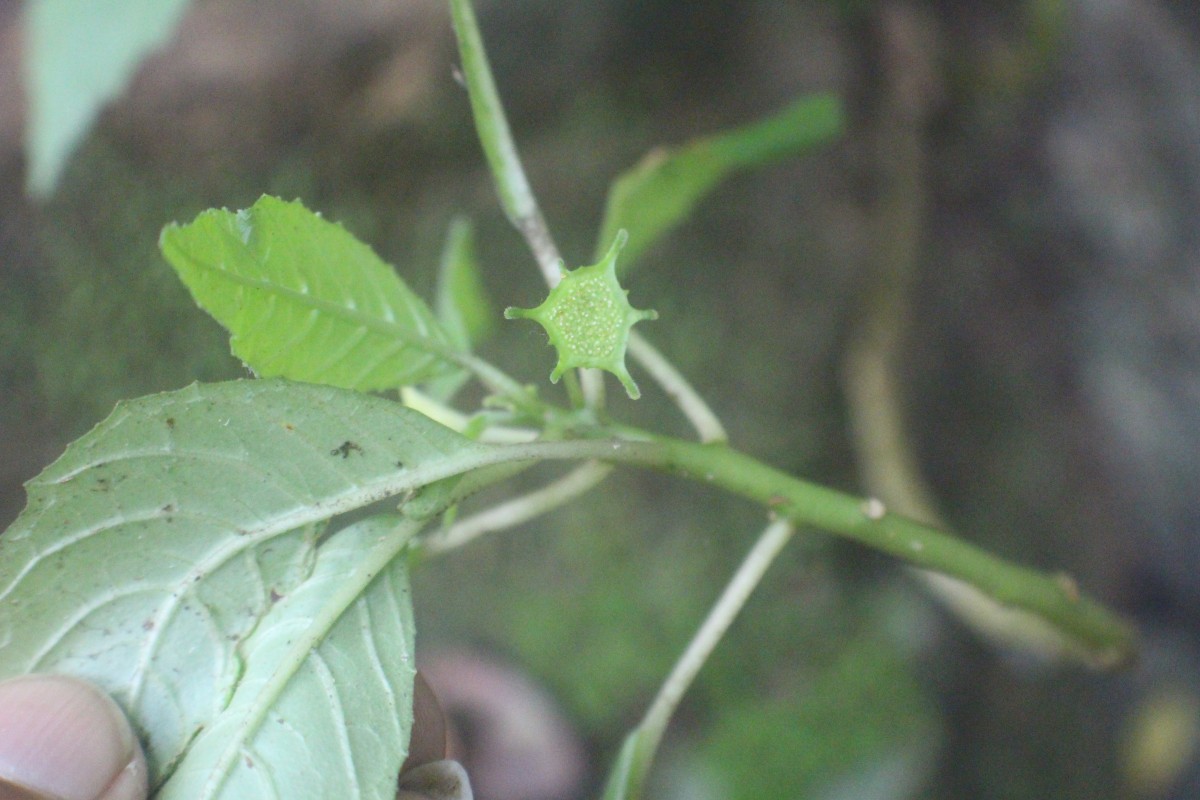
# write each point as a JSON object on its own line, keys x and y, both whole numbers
{"x": 80, "y": 56}
{"x": 324, "y": 707}
{"x": 662, "y": 189}
{"x": 303, "y": 299}
{"x": 149, "y": 552}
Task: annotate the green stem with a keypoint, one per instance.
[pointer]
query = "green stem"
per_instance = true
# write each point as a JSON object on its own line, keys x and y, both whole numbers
{"x": 677, "y": 388}
{"x": 457, "y": 421}
{"x": 649, "y": 732}
{"x": 518, "y": 510}
{"x": 1107, "y": 639}
{"x": 492, "y": 125}
{"x": 516, "y": 197}
{"x": 491, "y": 377}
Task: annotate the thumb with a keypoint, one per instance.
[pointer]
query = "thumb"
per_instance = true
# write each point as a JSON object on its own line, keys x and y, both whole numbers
{"x": 64, "y": 739}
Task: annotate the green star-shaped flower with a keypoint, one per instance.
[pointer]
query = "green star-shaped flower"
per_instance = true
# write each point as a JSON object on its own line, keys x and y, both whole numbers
{"x": 588, "y": 318}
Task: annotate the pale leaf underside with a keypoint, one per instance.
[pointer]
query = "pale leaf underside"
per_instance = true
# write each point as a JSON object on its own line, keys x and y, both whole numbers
{"x": 324, "y": 706}
{"x": 149, "y": 552}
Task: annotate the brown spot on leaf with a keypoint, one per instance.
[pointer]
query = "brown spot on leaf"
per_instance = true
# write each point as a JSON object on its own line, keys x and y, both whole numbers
{"x": 345, "y": 449}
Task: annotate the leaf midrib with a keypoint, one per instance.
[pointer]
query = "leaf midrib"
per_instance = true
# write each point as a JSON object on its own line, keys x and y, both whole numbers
{"x": 347, "y": 592}
{"x": 426, "y": 342}
{"x": 356, "y": 496}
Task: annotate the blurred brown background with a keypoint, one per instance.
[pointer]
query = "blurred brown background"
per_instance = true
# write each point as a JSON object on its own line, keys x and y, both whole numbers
{"x": 1033, "y": 168}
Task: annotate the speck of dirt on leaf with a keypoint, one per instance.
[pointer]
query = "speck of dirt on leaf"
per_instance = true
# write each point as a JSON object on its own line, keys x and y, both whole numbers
{"x": 345, "y": 449}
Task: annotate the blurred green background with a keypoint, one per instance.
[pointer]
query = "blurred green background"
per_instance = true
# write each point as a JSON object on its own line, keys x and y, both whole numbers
{"x": 1033, "y": 169}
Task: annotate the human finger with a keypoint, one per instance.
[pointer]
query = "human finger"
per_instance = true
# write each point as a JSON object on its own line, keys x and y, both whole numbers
{"x": 63, "y": 739}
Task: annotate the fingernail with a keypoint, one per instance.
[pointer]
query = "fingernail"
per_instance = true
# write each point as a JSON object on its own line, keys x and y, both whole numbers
{"x": 64, "y": 739}
{"x": 437, "y": 780}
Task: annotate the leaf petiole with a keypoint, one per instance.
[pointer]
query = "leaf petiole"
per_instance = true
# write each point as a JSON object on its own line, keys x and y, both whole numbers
{"x": 518, "y": 510}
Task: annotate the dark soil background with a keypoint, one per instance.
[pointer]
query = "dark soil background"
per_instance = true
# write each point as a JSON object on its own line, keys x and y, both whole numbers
{"x": 1046, "y": 154}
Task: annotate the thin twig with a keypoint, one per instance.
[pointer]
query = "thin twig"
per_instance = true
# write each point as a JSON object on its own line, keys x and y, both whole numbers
{"x": 677, "y": 388}
{"x": 541, "y": 242}
{"x": 456, "y": 420}
{"x": 519, "y": 509}
{"x": 1088, "y": 628}
{"x": 650, "y": 731}
{"x": 512, "y": 184}
{"x": 744, "y": 581}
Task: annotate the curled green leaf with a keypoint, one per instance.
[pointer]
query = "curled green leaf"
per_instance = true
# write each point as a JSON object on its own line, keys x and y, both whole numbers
{"x": 659, "y": 192}
{"x": 588, "y": 318}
